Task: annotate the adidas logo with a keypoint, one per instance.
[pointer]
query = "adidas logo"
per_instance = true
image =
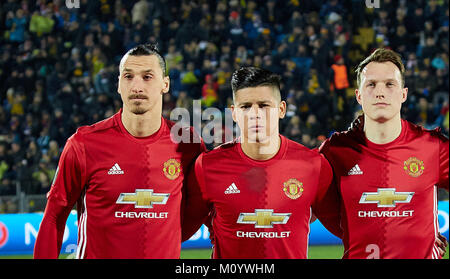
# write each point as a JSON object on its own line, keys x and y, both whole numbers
{"x": 115, "y": 170}
{"x": 355, "y": 170}
{"x": 232, "y": 189}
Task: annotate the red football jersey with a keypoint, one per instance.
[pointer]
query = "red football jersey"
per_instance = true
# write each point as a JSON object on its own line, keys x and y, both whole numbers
{"x": 261, "y": 209}
{"x": 388, "y": 192}
{"x": 128, "y": 192}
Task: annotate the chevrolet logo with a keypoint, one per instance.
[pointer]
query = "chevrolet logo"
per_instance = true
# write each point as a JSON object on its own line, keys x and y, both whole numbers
{"x": 386, "y": 197}
{"x": 263, "y": 218}
{"x": 143, "y": 198}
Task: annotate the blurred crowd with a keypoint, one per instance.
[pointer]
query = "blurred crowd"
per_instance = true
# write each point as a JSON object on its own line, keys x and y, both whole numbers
{"x": 59, "y": 65}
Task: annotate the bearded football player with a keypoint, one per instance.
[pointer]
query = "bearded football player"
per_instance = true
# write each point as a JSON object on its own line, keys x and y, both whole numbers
{"x": 125, "y": 174}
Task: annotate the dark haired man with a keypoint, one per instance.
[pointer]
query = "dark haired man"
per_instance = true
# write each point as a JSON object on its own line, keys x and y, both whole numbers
{"x": 387, "y": 170}
{"x": 261, "y": 190}
{"x": 125, "y": 174}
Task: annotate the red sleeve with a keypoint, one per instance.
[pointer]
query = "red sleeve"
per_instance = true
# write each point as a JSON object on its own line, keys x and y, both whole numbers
{"x": 443, "y": 163}
{"x": 327, "y": 203}
{"x": 64, "y": 193}
{"x": 196, "y": 207}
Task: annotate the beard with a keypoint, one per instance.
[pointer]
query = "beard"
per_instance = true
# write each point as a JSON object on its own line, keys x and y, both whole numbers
{"x": 138, "y": 108}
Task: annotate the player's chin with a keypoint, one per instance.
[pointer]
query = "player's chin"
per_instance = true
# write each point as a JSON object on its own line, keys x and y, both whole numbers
{"x": 139, "y": 109}
{"x": 380, "y": 116}
{"x": 257, "y": 137}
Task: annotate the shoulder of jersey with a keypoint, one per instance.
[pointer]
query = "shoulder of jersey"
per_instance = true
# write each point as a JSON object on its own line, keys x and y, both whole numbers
{"x": 170, "y": 124}
{"x": 294, "y": 148}
{"x": 224, "y": 147}
{"x": 338, "y": 137}
{"x": 192, "y": 133}
{"x": 419, "y": 130}
{"x": 97, "y": 127}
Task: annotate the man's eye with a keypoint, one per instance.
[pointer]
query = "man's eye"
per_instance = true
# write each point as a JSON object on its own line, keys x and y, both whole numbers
{"x": 147, "y": 77}
{"x": 389, "y": 84}
{"x": 128, "y": 76}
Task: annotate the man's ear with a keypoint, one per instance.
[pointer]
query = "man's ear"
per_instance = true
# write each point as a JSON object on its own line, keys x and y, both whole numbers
{"x": 118, "y": 84}
{"x": 404, "y": 94}
{"x": 233, "y": 112}
{"x": 358, "y": 96}
{"x": 166, "y": 88}
{"x": 282, "y": 109}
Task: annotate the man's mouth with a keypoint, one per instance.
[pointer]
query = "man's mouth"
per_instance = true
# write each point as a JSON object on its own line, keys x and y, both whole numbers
{"x": 137, "y": 97}
{"x": 256, "y": 127}
{"x": 381, "y": 104}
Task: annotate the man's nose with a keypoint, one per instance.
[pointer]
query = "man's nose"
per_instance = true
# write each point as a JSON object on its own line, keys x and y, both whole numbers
{"x": 137, "y": 85}
{"x": 379, "y": 92}
{"x": 254, "y": 112}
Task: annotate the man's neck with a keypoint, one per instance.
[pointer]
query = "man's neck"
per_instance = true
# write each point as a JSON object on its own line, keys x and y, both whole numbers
{"x": 141, "y": 125}
{"x": 382, "y": 132}
{"x": 261, "y": 150}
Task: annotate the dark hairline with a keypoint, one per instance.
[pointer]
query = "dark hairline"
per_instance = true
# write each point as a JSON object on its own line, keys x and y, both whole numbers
{"x": 275, "y": 89}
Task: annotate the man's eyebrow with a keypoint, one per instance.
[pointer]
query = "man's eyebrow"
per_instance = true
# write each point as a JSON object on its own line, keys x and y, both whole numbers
{"x": 384, "y": 80}
{"x": 258, "y": 102}
{"x": 143, "y": 71}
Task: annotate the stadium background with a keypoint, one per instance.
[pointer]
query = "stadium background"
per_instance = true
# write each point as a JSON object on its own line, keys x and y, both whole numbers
{"x": 59, "y": 68}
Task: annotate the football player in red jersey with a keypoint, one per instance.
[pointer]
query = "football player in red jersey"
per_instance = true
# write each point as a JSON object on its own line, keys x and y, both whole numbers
{"x": 387, "y": 170}
{"x": 125, "y": 174}
{"x": 260, "y": 190}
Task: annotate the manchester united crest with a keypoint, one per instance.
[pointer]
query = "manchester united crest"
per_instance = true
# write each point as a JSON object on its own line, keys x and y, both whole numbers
{"x": 293, "y": 188}
{"x": 413, "y": 166}
{"x": 172, "y": 169}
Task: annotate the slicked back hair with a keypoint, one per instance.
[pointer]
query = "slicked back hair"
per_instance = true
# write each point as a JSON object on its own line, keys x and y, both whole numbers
{"x": 145, "y": 50}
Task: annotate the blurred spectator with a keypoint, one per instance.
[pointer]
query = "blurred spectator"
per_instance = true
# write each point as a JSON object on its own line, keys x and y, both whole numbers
{"x": 340, "y": 84}
{"x": 41, "y": 24}
{"x": 53, "y": 152}
{"x": 173, "y": 57}
{"x": 184, "y": 101}
{"x": 168, "y": 105}
{"x": 6, "y": 187}
{"x": 16, "y": 23}
{"x": 43, "y": 175}
{"x": 209, "y": 91}
{"x": 425, "y": 83}
{"x": 312, "y": 127}
{"x": 190, "y": 79}
{"x": 224, "y": 73}
{"x": 33, "y": 154}
{"x": 140, "y": 12}
{"x": 294, "y": 129}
